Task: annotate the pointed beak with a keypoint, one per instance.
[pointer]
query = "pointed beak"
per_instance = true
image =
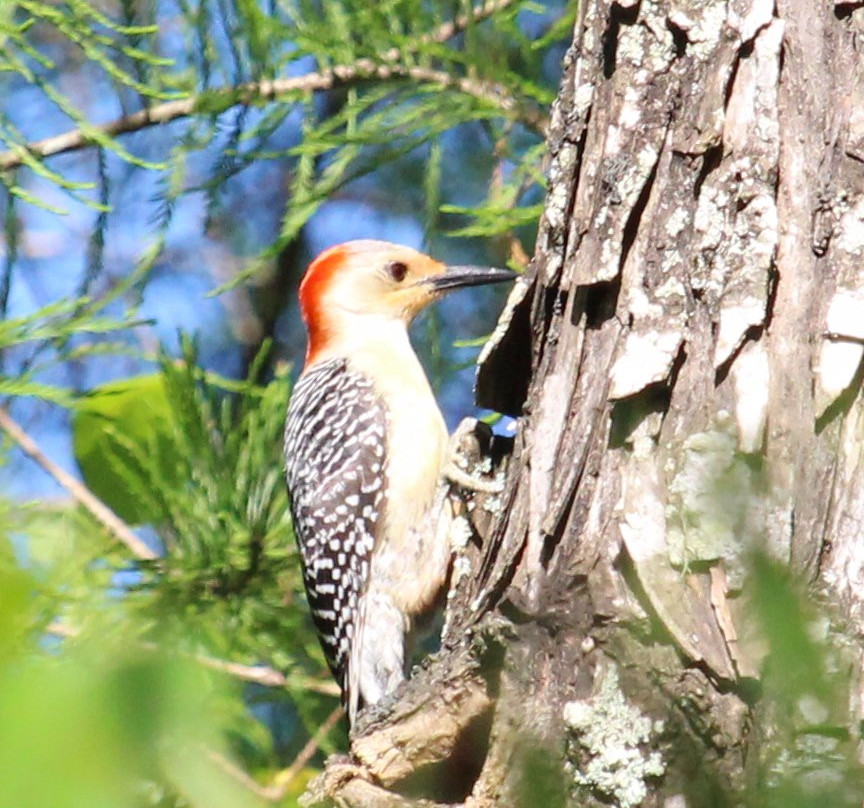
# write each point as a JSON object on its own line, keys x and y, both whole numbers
{"x": 458, "y": 276}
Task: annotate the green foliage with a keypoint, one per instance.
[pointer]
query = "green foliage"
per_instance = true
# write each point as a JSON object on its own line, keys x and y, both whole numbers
{"x": 203, "y": 466}
{"x": 505, "y": 209}
{"x": 56, "y": 324}
{"x": 399, "y": 77}
{"x": 90, "y": 724}
{"x": 110, "y": 418}
{"x": 198, "y": 457}
{"x": 809, "y": 758}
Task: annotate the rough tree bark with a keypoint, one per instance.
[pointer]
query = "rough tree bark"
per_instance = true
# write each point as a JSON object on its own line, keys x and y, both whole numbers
{"x": 685, "y": 354}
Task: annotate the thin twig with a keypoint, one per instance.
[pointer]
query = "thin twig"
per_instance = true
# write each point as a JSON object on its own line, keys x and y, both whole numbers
{"x": 79, "y": 492}
{"x": 263, "y": 675}
{"x": 455, "y": 26}
{"x": 237, "y": 773}
{"x": 284, "y": 778}
{"x": 253, "y": 92}
{"x": 257, "y": 674}
{"x": 447, "y": 30}
{"x": 279, "y": 788}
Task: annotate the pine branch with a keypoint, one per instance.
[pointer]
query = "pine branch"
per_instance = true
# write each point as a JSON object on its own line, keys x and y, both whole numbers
{"x": 268, "y": 90}
{"x": 80, "y": 493}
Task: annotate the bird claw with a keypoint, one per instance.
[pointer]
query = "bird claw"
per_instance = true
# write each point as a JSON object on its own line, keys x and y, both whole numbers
{"x": 463, "y": 479}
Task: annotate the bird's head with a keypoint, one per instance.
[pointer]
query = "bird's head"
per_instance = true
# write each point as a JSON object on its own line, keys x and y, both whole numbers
{"x": 376, "y": 280}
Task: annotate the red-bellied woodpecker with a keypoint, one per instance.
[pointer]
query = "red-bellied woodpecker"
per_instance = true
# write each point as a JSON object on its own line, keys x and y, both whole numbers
{"x": 365, "y": 446}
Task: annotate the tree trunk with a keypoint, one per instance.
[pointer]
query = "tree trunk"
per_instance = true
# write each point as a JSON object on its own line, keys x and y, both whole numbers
{"x": 686, "y": 355}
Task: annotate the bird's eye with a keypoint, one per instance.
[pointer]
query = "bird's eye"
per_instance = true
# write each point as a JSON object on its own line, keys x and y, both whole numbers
{"x": 397, "y": 270}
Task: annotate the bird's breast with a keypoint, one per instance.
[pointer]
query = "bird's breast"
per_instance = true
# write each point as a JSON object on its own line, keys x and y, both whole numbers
{"x": 410, "y": 560}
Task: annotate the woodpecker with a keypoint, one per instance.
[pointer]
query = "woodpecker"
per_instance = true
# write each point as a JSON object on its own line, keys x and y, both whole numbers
{"x": 365, "y": 446}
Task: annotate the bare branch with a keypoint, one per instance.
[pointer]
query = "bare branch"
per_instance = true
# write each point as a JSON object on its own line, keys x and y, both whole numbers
{"x": 339, "y": 76}
{"x": 80, "y": 493}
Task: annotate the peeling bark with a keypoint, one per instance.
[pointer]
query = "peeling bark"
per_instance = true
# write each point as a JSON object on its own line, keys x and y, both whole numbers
{"x": 685, "y": 354}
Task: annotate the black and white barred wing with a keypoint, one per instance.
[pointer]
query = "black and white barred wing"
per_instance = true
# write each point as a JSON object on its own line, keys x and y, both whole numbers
{"x": 335, "y": 443}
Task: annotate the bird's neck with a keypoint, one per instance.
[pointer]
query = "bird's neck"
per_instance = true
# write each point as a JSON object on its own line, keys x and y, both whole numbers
{"x": 378, "y": 348}
{"x": 375, "y": 345}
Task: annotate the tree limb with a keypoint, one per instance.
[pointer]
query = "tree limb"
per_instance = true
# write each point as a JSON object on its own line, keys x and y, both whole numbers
{"x": 343, "y": 787}
{"x": 427, "y": 723}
